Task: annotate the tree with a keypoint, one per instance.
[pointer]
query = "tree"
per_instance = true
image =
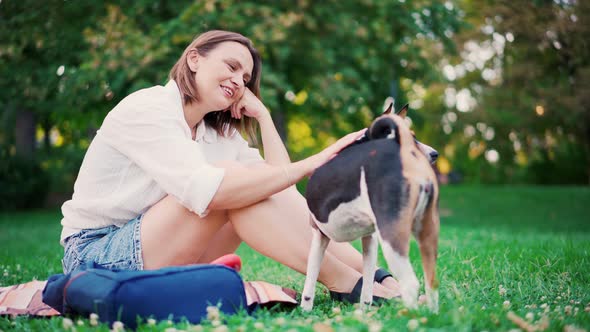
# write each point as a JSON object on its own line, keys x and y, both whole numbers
{"x": 529, "y": 73}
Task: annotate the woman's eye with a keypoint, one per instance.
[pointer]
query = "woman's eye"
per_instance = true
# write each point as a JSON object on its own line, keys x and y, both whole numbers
{"x": 231, "y": 67}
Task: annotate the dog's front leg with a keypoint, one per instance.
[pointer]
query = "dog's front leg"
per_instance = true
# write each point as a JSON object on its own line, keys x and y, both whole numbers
{"x": 319, "y": 242}
{"x": 369, "y": 262}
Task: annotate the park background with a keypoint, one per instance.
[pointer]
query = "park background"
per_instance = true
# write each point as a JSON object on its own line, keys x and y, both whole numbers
{"x": 500, "y": 88}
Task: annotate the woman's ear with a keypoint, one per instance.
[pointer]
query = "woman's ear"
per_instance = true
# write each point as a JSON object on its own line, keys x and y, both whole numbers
{"x": 192, "y": 60}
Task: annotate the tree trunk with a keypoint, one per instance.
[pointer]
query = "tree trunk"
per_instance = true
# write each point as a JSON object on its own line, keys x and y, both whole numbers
{"x": 25, "y": 134}
{"x": 280, "y": 120}
{"x": 46, "y": 134}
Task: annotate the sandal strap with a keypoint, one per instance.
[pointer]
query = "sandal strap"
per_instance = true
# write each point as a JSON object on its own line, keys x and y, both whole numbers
{"x": 381, "y": 274}
{"x": 355, "y": 295}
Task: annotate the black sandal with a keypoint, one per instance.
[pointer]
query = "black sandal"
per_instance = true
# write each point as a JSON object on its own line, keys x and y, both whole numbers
{"x": 381, "y": 274}
{"x": 355, "y": 295}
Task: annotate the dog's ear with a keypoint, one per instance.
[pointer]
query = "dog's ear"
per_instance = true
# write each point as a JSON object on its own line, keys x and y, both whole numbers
{"x": 384, "y": 127}
{"x": 389, "y": 109}
{"x": 403, "y": 111}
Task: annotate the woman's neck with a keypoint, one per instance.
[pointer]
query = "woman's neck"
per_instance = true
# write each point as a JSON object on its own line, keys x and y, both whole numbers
{"x": 193, "y": 113}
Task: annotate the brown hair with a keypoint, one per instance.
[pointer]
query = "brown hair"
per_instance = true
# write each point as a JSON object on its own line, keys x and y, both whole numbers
{"x": 222, "y": 122}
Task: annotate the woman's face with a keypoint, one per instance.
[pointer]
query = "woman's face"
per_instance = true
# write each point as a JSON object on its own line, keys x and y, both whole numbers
{"x": 222, "y": 74}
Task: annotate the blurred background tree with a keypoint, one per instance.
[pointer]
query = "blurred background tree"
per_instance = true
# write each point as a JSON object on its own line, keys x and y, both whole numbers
{"x": 517, "y": 97}
{"x": 486, "y": 81}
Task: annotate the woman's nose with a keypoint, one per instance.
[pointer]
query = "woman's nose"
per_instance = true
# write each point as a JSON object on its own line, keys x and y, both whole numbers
{"x": 237, "y": 81}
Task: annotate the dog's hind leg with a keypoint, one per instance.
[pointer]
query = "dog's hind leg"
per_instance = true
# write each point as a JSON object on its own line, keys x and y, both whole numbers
{"x": 370, "y": 245}
{"x": 396, "y": 246}
{"x": 428, "y": 243}
{"x": 319, "y": 242}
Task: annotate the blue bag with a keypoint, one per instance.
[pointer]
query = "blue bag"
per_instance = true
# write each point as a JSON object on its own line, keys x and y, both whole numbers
{"x": 167, "y": 293}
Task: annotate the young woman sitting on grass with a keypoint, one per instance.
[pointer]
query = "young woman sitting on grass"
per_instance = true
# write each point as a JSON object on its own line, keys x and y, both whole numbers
{"x": 168, "y": 179}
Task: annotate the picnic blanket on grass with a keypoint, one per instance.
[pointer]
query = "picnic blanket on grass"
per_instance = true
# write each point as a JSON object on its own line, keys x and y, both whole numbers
{"x": 26, "y": 299}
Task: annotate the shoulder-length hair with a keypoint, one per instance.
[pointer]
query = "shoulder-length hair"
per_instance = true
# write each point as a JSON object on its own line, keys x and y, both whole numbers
{"x": 222, "y": 122}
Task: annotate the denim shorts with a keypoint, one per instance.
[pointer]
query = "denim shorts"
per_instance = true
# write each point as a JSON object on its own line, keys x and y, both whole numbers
{"x": 112, "y": 247}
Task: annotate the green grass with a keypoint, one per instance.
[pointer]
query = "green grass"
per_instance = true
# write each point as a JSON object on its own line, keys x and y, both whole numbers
{"x": 525, "y": 245}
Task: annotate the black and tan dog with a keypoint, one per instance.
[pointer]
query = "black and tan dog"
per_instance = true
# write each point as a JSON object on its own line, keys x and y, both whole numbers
{"x": 380, "y": 188}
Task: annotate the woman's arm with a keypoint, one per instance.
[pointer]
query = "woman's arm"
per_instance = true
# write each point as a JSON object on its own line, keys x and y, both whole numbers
{"x": 275, "y": 152}
{"x": 249, "y": 105}
{"x": 242, "y": 186}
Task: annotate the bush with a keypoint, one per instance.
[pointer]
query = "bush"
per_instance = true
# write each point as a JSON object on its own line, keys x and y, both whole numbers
{"x": 23, "y": 183}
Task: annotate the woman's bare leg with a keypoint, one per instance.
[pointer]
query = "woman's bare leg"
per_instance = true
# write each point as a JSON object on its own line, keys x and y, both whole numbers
{"x": 226, "y": 241}
{"x": 296, "y": 206}
{"x": 172, "y": 235}
{"x": 279, "y": 228}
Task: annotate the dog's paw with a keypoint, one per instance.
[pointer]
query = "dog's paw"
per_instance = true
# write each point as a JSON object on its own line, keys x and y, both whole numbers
{"x": 432, "y": 300}
{"x": 306, "y": 306}
{"x": 307, "y": 303}
{"x": 409, "y": 292}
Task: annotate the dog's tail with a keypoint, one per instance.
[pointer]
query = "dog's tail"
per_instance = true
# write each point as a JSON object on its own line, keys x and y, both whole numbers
{"x": 384, "y": 127}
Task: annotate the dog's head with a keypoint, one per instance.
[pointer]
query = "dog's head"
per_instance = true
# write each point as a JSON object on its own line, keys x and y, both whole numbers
{"x": 394, "y": 127}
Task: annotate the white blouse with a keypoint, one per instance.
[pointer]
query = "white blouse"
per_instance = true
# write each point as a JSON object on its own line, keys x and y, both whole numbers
{"x": 144, "y": 151}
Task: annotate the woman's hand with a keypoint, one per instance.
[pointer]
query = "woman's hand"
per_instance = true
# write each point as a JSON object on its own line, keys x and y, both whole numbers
{"x": 331, "y": 151}
{"x": 249, "y": 105}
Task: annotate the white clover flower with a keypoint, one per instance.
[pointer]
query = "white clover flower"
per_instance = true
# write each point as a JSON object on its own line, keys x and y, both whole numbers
{"x": 212, "y": 313}
{"x": 118, "y": 326}
{"x": 93, "y": 319}
{"x": 529, "y": 316}
{"x": 281, "y": 321}
{"x": 216, "y": 322}
{"x": 221, "y": 328}
{"x": 413, "y": 324}
{"x": 170, "y": 329}
{"x": 196, "y": 328}
{"x": 259, "y": 325}
{"x": 506, "y": 304}
{"x": 80, "y": 322}
{"x": 336, "y": 310}
{"x": 67, "y": 324}
{"x": 375, "y": 327}
{"x": 151, "y": 322}
{"x": 501, "y": 290}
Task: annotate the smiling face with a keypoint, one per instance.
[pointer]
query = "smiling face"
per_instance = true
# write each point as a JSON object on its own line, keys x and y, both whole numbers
{"x": 222, "y": 74}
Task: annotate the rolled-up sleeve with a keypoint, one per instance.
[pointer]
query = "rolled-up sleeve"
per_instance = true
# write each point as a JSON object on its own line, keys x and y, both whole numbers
{"x": 158, "y": 140}
{"x": 246, "y": 154}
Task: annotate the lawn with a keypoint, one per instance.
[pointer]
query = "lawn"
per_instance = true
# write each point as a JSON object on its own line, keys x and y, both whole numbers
{"x": 518, "y": 250}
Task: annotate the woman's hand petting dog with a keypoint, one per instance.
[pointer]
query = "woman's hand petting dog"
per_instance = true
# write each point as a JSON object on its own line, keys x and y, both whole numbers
{"x": 331, "y": 151}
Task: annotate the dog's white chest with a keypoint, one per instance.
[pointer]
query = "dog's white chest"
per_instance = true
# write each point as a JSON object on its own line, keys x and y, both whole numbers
{"x": 351, "y": 220}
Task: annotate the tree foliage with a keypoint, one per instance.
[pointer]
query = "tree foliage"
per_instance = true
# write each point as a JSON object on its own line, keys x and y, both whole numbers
{"x": 531, "y": 89}
{"x": 327, "y": 69}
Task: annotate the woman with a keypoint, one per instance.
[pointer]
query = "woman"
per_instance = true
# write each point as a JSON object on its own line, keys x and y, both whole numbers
{"x": 168, "y": 180}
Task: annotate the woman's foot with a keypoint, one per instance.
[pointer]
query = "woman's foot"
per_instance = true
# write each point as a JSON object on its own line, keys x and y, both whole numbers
{"x": 391, "y": 284}
{"x": 352, "y": 294}
{"x": 385, "y": 278}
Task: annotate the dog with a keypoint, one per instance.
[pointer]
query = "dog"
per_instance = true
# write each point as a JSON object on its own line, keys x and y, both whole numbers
{"x": 381, "y": 188}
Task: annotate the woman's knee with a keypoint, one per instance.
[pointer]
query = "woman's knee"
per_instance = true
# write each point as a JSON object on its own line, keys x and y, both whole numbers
{"x": 281, "y": 202}
{"x": 171, "y": 210}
